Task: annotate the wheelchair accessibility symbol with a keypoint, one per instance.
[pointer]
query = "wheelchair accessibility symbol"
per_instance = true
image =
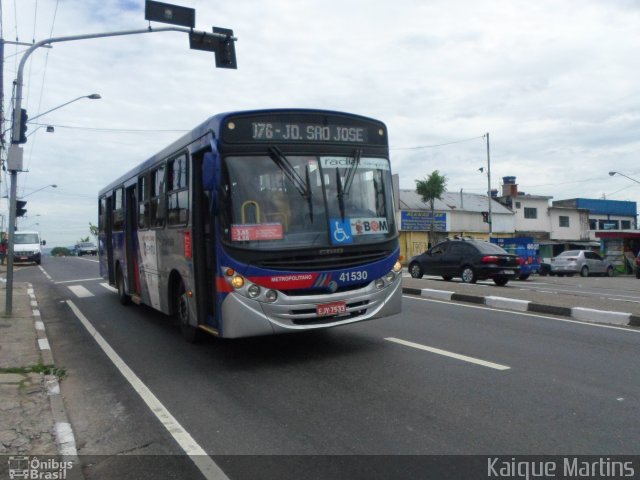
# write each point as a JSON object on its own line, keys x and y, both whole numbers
{"x": 340, "y": 231}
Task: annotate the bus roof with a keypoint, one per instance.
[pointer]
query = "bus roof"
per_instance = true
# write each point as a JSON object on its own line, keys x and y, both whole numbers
{"x": 212, "y": 125}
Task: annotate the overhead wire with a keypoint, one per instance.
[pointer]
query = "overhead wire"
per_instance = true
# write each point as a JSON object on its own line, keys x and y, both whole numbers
{"x": 437, "y": 145}
{"x": 43, "y": 82}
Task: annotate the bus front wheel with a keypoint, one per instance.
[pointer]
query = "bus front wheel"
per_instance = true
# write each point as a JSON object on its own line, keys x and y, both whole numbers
{"x": 181, "y": 312}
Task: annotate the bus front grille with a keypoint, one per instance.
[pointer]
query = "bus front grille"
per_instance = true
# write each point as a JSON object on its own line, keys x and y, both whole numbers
{"x": 323, "y": 262}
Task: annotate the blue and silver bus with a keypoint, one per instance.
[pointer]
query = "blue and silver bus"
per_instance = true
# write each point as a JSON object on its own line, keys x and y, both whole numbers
{"x": 258, "y": 223}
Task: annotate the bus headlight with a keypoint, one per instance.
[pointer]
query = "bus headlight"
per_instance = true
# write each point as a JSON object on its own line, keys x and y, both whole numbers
{"x": 397, "y": 267}
{"x": 390, "y": 277}
{"x": 379, "y": 283}
{"x": 271, "y": 295}
{"x": 237, "y": 282}
{"x": 253, "y": 290}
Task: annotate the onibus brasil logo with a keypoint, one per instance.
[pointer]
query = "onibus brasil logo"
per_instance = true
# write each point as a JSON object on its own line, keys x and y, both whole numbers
{"x": 35, "y": 468}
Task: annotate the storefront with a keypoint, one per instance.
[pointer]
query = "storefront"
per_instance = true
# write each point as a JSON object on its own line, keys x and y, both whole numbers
{"x": 620, "y": 247}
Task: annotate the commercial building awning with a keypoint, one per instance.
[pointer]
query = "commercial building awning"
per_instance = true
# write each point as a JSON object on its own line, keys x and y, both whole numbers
{"x": 619, "y": 234}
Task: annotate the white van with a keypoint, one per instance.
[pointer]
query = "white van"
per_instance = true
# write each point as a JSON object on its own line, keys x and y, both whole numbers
{"x": 27, "y": 246}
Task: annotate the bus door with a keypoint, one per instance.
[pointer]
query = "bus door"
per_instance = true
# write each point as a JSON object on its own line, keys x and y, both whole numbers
{"x": 203, "y": 245}
{"x": 108, "y": 240}
{"x": 131, "y": 240}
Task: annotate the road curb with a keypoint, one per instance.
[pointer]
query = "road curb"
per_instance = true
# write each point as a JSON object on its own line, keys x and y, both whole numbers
{"x": 63, "y": 431}
{"x": 578, "y": 313}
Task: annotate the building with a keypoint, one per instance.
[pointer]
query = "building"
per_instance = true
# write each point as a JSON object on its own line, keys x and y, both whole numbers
{"x": 457, "y": 213}
{"x": 605, "y": 214}
{"x": 554, "y": 227}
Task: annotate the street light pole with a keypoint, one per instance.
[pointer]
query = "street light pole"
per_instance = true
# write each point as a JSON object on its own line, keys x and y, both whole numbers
{"x": 53, "y": 185}
{"x": 623, "y": 175}
{"x": 198, "y": 40}
{"x": 93, "y": 96}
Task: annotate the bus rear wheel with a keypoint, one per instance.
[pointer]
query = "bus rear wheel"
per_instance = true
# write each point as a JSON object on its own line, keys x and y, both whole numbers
{"x": 122, "y": 295}
{"x": 181, "y": 312}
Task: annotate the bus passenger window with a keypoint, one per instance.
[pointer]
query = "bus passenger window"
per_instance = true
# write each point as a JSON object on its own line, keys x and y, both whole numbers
{"x": 118, "y": 209}
{"x": 143, "y": 203}
{"x": 178, "y": 191}
{"x": 157, "y": 200}
{"x": 102, "y": 214}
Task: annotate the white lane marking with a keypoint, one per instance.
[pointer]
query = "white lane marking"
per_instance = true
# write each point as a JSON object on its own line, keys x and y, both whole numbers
{"x": 457, "y": 356}
{"x": 43, "y": 343}
{"x": 79, "y": 280}
{"x": 44, "y": 272}
{"x": 529, "y": 314}
{"x": 109, "y": 287}
{"x": 80, "y": 292}
{"x": 205, "y": 464}
{"x": 89, "y": 260}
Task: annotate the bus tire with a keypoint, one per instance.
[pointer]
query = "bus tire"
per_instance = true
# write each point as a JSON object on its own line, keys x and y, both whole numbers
{"x": 181, "y": 312}
{"x": 122, "y": 295}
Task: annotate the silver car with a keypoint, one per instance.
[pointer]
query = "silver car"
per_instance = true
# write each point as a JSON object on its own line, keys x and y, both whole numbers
{"x": 583, "y": 262}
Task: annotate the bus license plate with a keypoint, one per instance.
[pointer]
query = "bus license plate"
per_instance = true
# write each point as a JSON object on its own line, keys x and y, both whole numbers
{"x": 328, "y": 309}
{"x": 508, "y": 272}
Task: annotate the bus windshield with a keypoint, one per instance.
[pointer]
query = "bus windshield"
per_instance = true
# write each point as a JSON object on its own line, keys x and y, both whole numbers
{"x": 302, "y": 201}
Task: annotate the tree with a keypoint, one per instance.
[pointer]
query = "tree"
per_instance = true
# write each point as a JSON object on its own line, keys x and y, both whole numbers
{"x": 429, "y": 189}
{"x": 60, "y": 252}
{"x": 93, "y": 229}
{"x": 83, "y": 240}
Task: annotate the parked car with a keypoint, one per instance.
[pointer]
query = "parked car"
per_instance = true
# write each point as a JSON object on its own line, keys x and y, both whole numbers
{"x": 469, "y": 259}
{"x": 86, "y": 248}
{"x": 583, "y": 262}
{"x": 545, "y": 267}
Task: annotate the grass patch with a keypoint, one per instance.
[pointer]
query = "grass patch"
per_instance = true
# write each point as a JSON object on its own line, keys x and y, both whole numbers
{"x": 59, "y": 372}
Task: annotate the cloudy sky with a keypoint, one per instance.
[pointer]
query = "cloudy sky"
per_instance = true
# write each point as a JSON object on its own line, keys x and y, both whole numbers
{"x": 555, "y": 83}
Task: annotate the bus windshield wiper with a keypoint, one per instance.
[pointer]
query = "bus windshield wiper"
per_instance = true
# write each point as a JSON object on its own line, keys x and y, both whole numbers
{"x": 283, "y": 164}
{"x": 340, "y": 194}
{"x": 351, "y": 173}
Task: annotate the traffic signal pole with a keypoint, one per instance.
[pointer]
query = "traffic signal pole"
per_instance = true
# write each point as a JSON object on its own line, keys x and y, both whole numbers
{"x": 15, "y": 166}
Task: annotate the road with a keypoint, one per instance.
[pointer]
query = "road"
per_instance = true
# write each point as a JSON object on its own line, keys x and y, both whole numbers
{"x": 440, "y": 378}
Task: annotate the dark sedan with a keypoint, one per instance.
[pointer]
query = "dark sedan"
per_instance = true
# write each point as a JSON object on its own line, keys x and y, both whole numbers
{"x": 469, "y": 259}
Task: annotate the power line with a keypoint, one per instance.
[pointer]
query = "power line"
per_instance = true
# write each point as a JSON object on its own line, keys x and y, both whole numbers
{"x": 437, "y": 145}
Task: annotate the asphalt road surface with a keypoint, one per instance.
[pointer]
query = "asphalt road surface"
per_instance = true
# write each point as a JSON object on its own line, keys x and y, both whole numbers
{"x": 438, "y": 379}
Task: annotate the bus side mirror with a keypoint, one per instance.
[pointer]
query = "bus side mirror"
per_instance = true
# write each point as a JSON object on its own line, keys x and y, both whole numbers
{"x": 44, "y": 242}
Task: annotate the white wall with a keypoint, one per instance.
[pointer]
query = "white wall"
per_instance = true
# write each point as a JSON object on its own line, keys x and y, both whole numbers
{"x": 578, "y": 228}
{"x": 539, "y": 224}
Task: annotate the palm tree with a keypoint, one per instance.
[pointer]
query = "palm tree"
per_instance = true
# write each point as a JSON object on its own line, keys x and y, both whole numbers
{"x": 429, "y": 189}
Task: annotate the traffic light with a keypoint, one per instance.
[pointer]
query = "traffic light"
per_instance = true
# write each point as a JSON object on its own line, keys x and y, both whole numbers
{"x": 226, "y": 49}
{"x": 23, "y": 126}
{"x": 20, "y": 210}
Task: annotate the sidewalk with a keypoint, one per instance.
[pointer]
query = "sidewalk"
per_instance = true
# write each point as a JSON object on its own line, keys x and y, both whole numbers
{"x": 33, "y": 421}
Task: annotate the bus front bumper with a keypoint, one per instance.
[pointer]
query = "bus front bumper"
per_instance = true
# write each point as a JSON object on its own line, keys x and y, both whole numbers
{"x": 244, "y": 317}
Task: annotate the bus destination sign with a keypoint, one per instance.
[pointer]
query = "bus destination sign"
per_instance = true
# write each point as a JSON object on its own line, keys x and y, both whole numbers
{"x": 297, "y": 129}
{"x": 307, "y": 132}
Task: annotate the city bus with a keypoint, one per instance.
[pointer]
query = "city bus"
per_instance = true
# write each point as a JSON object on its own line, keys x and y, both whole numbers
{"x": 257, "y": 223}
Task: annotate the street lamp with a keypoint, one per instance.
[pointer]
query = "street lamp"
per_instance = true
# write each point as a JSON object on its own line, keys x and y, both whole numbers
{"x": 14, "y": 164}
{"x": 93, "y": 96}
{"x": 623, "y": 175}
{"x": 50, "y": 129}
{"x": 34, "y": 191}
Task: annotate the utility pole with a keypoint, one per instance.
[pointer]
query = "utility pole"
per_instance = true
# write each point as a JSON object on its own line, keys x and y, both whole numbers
{"x": 489, "y": 185}
{"x": 221, "y": 42}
